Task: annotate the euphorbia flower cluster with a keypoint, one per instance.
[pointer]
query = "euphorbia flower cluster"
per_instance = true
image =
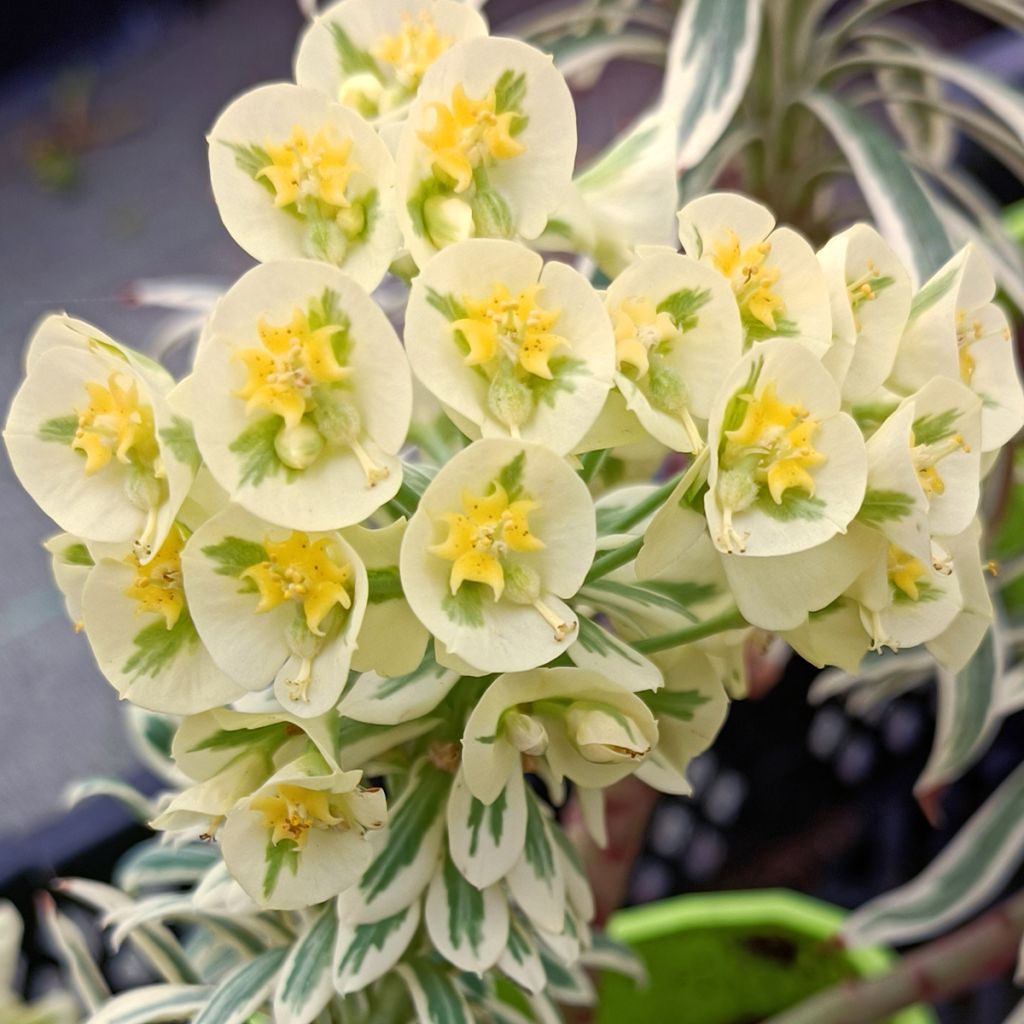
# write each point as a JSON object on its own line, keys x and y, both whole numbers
{"x": 386, "y": 573}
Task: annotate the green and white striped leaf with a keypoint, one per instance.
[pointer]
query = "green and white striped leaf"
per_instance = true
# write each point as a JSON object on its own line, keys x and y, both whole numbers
{"x": 606, "y": 954}
{"x": 152, "y": 1004}
{"x": 156, "y": 865}
{"x": 249, "y": 937}
{"x": 577, "y": 885}
{"x": 969, "y": 872}
{"x": 521, "y": 959}
{"x": 566, "y": 984}
{"x": 710, "y": 59}
{"x": 381, "y": 700}
{"x": 468, "y": 926}
{"x": 900, "y": 207}
{"x": 365, "y": 952}
{"x": 365, "y": 746}
{"x": 71, "y": 950}
{"x": 537, "y": 882}
{"x": 140, "y": 807}
{"x": 243, "y": 991}
{"x": 968, "y": 717}
{"x": 407, "y": 850}
{"x": 157, "y": 945}
{"x": 306, "y": 982}
{"x": 486, "y": 841}
{"x": 435, "y": 995}
{"x": 151, "y": 734}
{"x": 602, "y": 651}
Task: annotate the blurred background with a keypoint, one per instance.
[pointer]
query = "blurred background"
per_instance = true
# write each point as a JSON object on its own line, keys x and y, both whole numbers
{"x": 103, "y": 182}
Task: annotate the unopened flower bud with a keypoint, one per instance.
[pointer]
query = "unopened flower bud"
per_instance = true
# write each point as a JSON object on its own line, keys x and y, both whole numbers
{"x": 447, "y": 219}
{"x": 603, "y": 735}
{"x": 336, "y": 416}
{"x": 362, "y": 93}
{"x": 510, "y": 399}
{"x": 300, "y": 446}
{"x": 522, "y": 583}
{"x": 525, "y": 733}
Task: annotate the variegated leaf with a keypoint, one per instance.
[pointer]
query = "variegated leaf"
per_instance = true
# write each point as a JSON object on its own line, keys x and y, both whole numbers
{"x": 710, "y": 59}
{"x": 243, "y": 991}
{"x": 435, "y": 995}
{"x": 152, "y": 1004}
{"x": 71, "y": 949}
{"x": 381, "y": 700}
{"x": 602, "y": 651}
{"x": 139, "y": 806}
{"x": 521, "y": 959}
{"x": 606, "y": 954}
{"x": 968, "y": 873}
{"x": 306, "y": 982}
{"x": 468, "y": 926}
{"x": 537, "y": 882}
{"x": 155, "y": 865}
{"x": 365, "y": 952}
{"x": 900, "y": 207}
{"x": 486, "y": 841}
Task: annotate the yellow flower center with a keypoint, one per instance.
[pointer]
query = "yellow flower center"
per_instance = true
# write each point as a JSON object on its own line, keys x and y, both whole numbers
{"x": 751, "y": 280}
{"x": 310, "y": 168}
{"x": 480, "y": 536}
{"x": 926, "y": 458}
{"x": 303, "y": 571}
{"x": 967, "y": 333}
{"x": 514, "y": 328}
{"x": 412, "y": 50}
{"x": 295, "y": 357}
{"x": 157, "y": 588}
{"x": 115, "y": 423}
{"x": 904, "y": 571}
{"x": 291, "y": 811}
{"x": 468, "y": 134}
{"x": 639, "y": 327}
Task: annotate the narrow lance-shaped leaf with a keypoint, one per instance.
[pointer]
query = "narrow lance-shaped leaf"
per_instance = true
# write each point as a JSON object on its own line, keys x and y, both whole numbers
{"x": 306, "y": 982}
{"x": 900, "y": 207}
{"x": 243, "y": 991}
{"x": 434, "y": 994}
{"x": 152, "y": 1004}
{"x": 969, "y": 714}
{"x": 155, "y": 865}
{"x": 968, "y": 873}
{"x": 365, "y": 952}
{"x": 710, "y": 59}
{"x": 72, "y": 950}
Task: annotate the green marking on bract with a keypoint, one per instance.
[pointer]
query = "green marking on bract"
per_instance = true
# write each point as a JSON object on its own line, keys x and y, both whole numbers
{"x": 682, "y": 306}
{"x": 936, "y": 426}
{"x": 76, "y": 554}
{"x": 255, "y": 449}
{"x": 537, "y": 847}
{"x": 278, "y": 856}
{"x": 795, "y": 504}
{"x": 934, "y": 290}
{"x": 563, "y": 369}
{"x": 493, "y": 816}
{"x": 598, "y": 641}
{"x": 926, "y": 592}
{"x": 156, "y": 646}
{"x": 367, "y": 937}
{"x": 465, "y": 908}
{"x": 757, "y": 331}
{"x": 352, "y": 59}
{"x": 234, "y": 555}
{"x": 181, "y": 442}
{"x": 511, "y": 477}
{"x": 509, "y": 92}
{"x": 871, "y": 416}
{"x": 385, "y": 584}
{"x": 446, "y": 304}
{"x": 881, "y": 506}
{"x": 465, "y": 606}
{"x": 59, "y": 430}
{"x": 681, "y": 704}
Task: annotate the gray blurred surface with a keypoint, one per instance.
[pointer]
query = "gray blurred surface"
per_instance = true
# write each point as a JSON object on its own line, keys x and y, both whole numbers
{"x": 143, "y": 209}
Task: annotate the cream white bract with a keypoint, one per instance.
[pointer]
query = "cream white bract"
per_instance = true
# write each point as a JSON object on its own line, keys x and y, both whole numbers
{"x": 778, "y": 284}
{"x": 276, "y": 606}
{"x": 503, "y": 536}
{"x": 677, "y": 334}
{"x": 488, "y": 147}
{"x": 301, "y": 397}
{"x": 295, "y": 174}
{"x": 370, "y": 55}
{"x": 93, "y": 440}
{"x": 511, "y": 345}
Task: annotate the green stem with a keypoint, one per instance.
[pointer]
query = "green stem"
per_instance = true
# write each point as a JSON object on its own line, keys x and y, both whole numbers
{"x": 727, "y": 620}
{"x": 642, "y": 509}
{"x": 608, "y": 561}
{"x": 591, "y": 464}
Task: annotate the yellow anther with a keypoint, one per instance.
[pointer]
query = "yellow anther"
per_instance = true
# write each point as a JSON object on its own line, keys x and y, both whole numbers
{"x": 115, "y": 424}
{"x": 639, "y": 327}
{"x": 488, "y": 527}
{"x": 303, "y": 168}
{"x": 304, "y": 571}
{"x": 158, "y": 587}
{"x": 468, "y": 134}
{"x": 295, "y": 358}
